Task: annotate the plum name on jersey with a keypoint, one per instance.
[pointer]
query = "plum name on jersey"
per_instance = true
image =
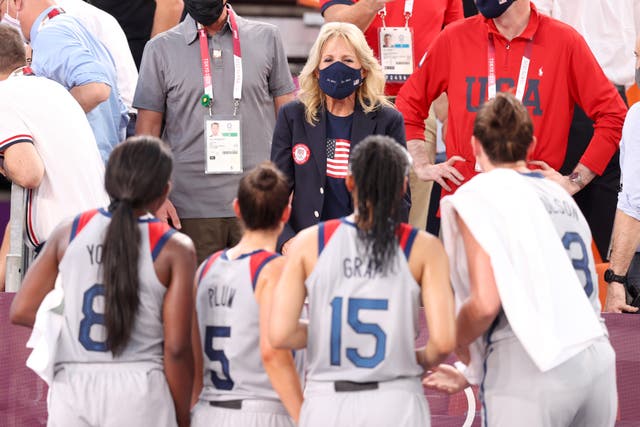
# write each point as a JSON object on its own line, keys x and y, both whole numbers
{"x": 356, "y": 267}
{"x": 221, "y": 296}
{"x": 556, "y": 206}
{"x": 95, "y": 254}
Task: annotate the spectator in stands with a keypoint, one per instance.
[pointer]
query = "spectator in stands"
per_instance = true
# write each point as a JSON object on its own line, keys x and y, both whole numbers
{"x": 624, "y": 268}
{"x": 40, "y": 121}
{"x": 106, "y": 29}
{"x": 426, "y": 19}
{"x": 595, "y": 21}
{"x": 122, "y": 353}
{"x": 142, "y": 19}
{"x": 248, "y": 80}
{"x": 341, "y": 102}
{"x": 551, "y": 68}
{"x": 65, "y": 51}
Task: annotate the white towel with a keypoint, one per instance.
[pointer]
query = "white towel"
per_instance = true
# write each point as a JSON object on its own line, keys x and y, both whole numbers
{"x": 540, "y": 292}
{"x": 45, "y": 334}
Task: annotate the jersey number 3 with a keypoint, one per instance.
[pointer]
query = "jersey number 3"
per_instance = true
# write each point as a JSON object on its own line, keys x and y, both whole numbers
{"x": 354, "y": 306}
{"x": 582, "y": 263}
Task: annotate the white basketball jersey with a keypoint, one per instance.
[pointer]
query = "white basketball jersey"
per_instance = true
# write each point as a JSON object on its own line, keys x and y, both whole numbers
{"x": 573, "y": 230}
{"x": 362, "y": 321}
{"x": 83, "y": 336}
{"x": 229, "y": 325}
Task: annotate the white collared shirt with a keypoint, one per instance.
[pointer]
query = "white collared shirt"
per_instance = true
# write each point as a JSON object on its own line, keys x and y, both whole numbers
{"x": 608, "y": 26}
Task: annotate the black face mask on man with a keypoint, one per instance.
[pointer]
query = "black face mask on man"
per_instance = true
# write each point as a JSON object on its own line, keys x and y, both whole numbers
{"x": 493, "y": 8}
{"x": 206, "y": 12}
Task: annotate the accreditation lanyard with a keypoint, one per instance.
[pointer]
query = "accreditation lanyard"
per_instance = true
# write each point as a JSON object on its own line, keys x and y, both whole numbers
{"x": 524, "y": 69}
{"x": 408, "y": 11}
{"x": 207, "y": 99}
{"x": 22, "y": 71}
{"x": 52, "y": 14}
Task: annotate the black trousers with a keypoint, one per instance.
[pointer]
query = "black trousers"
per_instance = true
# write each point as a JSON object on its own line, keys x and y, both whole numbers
{"x": 599, "y": 198}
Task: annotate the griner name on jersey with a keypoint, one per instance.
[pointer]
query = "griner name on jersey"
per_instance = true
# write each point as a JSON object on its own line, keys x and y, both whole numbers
{"x": 357, "y": 267}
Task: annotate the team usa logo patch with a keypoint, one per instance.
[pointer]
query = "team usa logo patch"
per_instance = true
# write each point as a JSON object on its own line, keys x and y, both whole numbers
{"x": 300, "y": 153}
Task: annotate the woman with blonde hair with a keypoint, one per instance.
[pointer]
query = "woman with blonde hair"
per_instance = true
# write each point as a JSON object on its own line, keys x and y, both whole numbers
{"x": 341, "y": 102}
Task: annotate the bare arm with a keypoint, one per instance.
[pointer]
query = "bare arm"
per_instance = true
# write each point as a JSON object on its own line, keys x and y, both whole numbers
{"x": 279, "y": 101}
{"x": 571, "y": 186}
{"x": 149, "y": 122}
{"x": 483, "y": 305}
{"x": 167, "y": 15}
{"x": 40, "y": 278}
{"x": 427, "y": 171}
{"x": 23, "y": 165}
{"x": 196, "y": 347}
{"x": 90, "y": 95}
{"x": 279, "y": 364}
{"x": 361, "y": 14}
{"x": 437, "y": 299}
{"x": 286, "y": 329}
{"x": 177, "y": 312}
{"x": 626, "y": 239}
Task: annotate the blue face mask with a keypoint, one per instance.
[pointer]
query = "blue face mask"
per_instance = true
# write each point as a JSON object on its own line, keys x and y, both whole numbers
{"x": 339, "y": 80}
{"x": 493, "y": 8}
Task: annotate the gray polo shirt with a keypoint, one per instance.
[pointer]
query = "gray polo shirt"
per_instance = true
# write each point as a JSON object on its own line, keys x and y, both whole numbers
{"x": 170, "y": 82}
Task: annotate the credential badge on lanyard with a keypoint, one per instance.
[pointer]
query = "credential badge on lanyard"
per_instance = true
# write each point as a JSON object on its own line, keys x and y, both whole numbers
{"x": 222, "y": 139}
{"x": 396, "y": 46}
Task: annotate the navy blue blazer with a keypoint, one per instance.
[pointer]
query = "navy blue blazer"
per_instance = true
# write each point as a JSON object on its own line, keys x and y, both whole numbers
{"x": 307, "y": 175}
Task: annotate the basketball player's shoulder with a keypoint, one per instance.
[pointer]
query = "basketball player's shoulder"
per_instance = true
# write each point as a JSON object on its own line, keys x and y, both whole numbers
{"x": 173, "y": 243}
{"x": 426, "y": 244}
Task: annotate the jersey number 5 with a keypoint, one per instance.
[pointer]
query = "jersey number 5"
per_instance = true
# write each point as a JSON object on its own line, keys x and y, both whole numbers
{"x": 211, "y": 332}
{"x": 355, "y": 305}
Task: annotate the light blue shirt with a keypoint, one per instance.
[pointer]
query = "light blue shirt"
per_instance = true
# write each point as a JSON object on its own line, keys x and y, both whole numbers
{"x": 629, "y": 197}
{"x": 64, "y": 51}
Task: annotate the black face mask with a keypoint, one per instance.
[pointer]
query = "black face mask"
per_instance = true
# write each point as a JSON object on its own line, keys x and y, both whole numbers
{"x": 206, "y": 12}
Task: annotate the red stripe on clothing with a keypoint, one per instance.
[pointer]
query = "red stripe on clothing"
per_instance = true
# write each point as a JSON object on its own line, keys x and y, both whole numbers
{"x": 85, "y": 218}
{"x": 156, "y": 231}
{"x": 208, "y": 263}
{"x": 30, "y": 231}
{"x": 256, "y": 262}
{"x": 16, "y": 138}
{"x": 329, "y": 228}
{"x": 403, "y": 232}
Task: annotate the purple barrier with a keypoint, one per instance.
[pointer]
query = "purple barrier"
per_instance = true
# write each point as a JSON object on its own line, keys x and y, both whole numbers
{"x": 23, "y": 394}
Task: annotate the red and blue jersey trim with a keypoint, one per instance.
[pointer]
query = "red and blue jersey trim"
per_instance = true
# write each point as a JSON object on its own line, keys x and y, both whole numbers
{"x": 206, "y": 265}
{"x": 257, "y": 262}
{"x": 406, "y": 236}
{"x": 80, "y": 222}
{"x": 16, "y": 139}
{"x": 159, "y": 234}
{"x": 31, "y": 234}
{"x": 325, "y": 232}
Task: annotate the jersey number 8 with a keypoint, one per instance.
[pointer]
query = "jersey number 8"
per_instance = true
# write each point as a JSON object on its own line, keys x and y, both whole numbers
{"x": 91, "y": 318}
